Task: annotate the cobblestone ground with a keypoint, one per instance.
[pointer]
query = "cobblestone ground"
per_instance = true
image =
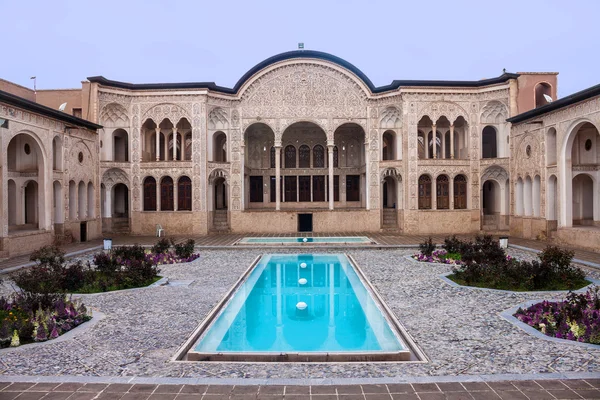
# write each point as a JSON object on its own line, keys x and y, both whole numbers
{"x": 458, "y": 328}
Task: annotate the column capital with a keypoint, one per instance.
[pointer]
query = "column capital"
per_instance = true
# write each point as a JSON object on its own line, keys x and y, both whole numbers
{"x": 157, "y": 129}
{"x": 277, "y": 145}
{"x": 330, "y": 144}
{"x": 174, "y": 130}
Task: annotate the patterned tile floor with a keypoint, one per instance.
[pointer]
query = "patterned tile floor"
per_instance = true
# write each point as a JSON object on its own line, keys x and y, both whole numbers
{"x": 226, "y": 240}
{"x": 502, "y": 390}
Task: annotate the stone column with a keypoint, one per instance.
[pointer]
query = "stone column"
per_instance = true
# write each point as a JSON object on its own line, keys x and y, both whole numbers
{"x": 108, "y": 202}
{"x": 158, "y": 196}
{"x": 434, "y": 140}
{"x": 277, "y": 177}
{"x": 452, "y": 141}
{"x": 157, "y": 144}
{"x": 174, "y": 144}
{"x": 166, "y": 146}
{"x": 443, "y": 145}
{"x": 451, "y": 194}
{"x": 330, "y": 165}
{"x": 175, "y": 195}
{"x": 433, "y": 194}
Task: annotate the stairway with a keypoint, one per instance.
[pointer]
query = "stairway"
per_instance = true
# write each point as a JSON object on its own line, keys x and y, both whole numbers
{"x": 220, "y": 221}
{"x": 490, "y": 223}
{"x": 120, "y": 226}
{"x": 390, "y": 220}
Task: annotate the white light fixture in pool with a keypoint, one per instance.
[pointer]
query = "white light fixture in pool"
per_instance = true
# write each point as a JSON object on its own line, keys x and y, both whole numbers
{"x": 305, "y": 240}
{"x": 303, "y": 265}
{"x": 302, "y": 281}
{"x": 301, "y": 306}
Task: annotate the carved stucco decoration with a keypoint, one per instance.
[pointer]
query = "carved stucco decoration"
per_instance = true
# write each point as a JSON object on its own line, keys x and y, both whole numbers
{"x": 84, "y": 170}
{"x": 528, "y": 164}
{"x": 390, "y": 118}
{"x": 235, "y": 118}
{"x": 437, "y": 109}
{"x": 217, "y": 119}
{"x": 216, "y": 174}
{"x": 496, "y": 173}
{"x": 172, "y": 112}
{"x": 304, "y": 90}
{"x": 105, "y": 98}
{"x": 114, "y": 114}
{"x": 392, "y": 173}
{"x": 494, "y": 112}
{"x": 114, "y": 176}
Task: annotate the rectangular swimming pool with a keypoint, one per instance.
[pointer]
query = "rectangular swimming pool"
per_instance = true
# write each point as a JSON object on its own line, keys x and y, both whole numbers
{"x": 305, "y": 307}
{"x": 302, "y": 240}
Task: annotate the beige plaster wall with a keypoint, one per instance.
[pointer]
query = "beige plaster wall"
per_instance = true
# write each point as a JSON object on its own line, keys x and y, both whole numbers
{"x": 26, "y": 243}
{"x": 579, "y": 237}
{"x": 527, "y": 82}
{"x": 287, "y": 221}
{"x": 17, "y": 90}
{"x": 528, "y": 227}
{"x": 443, "y": 221}
{"x": 173, "y": 222}
{"x": 54, "y": 98}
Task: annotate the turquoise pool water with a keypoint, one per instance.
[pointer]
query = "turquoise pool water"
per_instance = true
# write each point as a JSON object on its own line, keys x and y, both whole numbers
{"x": 283, "y": 240}
{"x": 264, "y": 314}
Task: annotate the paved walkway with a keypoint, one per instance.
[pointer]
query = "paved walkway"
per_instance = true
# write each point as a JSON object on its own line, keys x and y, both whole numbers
{"x": 225, "y": 240}
{"x": 502, "y": 390}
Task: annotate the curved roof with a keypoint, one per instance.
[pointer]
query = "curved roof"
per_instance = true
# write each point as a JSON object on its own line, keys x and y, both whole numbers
{"x": 302, "y": 54}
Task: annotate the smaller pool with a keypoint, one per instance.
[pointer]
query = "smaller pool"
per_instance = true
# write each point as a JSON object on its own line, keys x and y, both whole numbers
{"x": 302, "y": 240}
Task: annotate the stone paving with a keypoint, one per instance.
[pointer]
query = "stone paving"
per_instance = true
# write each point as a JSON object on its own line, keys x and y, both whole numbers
{"x": 502, "y": 390}
{"x": 458, "y": 328}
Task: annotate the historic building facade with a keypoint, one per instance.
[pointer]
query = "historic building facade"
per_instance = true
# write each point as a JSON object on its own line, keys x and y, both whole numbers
{"x": 305, "y": 141}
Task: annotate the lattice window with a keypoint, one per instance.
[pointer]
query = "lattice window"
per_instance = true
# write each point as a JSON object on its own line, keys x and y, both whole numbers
{"x": 304, "y": 156}
{"x": 290, "y": 157}
{"x": 272, "y": 157}
{"x": 335, "y": 157}
{"x": 424, "y": 192}
{"x": 442, "y": 192}
{"x": 318, "y": 156}
{"x": 149, "y": 194}
{"x": 166, "y": 194}
{"x": 460, "y": 192}
{"x": 184, "y": 194}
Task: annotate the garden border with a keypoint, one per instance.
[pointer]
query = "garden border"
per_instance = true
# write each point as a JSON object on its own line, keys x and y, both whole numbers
{"x": 508, "y": 315}
{"x": 444, "y": 277}
{"x": 97, "y": 316}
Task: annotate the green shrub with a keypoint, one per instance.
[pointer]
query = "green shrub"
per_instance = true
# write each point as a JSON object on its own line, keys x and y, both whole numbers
{"x": 48, "y": 255}
{"x": 427, "y": 247}
{"x": 135, "y": 252}
{"x": 185, "y": 250}
{"x": 162, "y": 246}
{"x": 452, "y": 244}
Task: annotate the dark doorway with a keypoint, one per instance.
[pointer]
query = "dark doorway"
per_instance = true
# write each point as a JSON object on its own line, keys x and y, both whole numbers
{"x": 304, "y": 222}
{"x": 83, "y": 232}
{"x": 385, "y": 195}
{"x": 256, "y": 189}
{"x": 318, "y": 188}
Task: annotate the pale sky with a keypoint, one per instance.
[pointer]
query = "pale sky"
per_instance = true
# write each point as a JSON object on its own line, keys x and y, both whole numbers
{"x": 144, "y": 41}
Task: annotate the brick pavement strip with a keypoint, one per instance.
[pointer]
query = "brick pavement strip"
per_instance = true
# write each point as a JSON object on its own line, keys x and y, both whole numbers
{"x": 504, "y": 390}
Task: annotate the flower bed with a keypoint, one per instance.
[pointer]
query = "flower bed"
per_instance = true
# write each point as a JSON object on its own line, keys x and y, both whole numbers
{"x": 23, "y": 320}
{"x": 169, "y": 258}
{"x": 483, "y": 263}
{"x": 576, "y": 318}
{"x": 439, "y": 256}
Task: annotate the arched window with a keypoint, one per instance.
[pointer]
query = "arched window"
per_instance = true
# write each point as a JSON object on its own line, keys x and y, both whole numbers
{"x": 389, "y": 152}
{"x": 536, "y": 198}
{"x": 166, "y": 194}
{"x": 488, "y": 143}
{"x": 91, "y": 201}
{"x": 273, "y": 157}
{"x": 460, "y": 192}
{"x": 120, "y": 146}
{"x": 442, "y": 192}
{"x": 551, "y": 147}
{"x": 527, "y": 196}
{"x": 519, "y": 197}
{"x": 318, "y": 156}
{"x": 149, "y": 194}
{"x": 188, "y": 146}
{"x": 220, "y": 147}
{"x": 304, "y": 156}
{"x": 424, "y": 192}
{"x": 542, "y": 89}
{"x": 290, "y": 157}
{"x": 335, "y": 157}
{"x": 72, "y": 201}
{"x": 82, "y": 194}
{"x": 184, "y": 194}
